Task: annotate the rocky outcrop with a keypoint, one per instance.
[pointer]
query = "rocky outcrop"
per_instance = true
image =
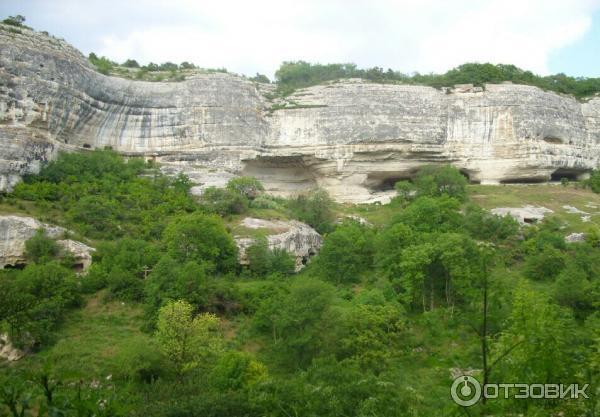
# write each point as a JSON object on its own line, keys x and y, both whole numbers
{"x": 297, "y": 238}
{"x": 8, "y": 351}
{"x": 353, "y": 138}
{"x": 16, "y": 230}
{"x": 524, "y": 215}
{"x": 575, "y": 238}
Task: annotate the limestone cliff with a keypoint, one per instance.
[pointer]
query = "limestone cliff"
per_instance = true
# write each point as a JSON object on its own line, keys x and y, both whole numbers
{"x": 353, "y": 138}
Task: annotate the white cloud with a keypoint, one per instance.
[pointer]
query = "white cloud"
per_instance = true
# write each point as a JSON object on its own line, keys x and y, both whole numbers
{"x": 408, "y": 35}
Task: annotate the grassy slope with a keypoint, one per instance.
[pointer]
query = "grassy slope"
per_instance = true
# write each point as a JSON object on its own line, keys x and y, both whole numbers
{"x": 92, "y": 340}
{"x": 551, "y": 196}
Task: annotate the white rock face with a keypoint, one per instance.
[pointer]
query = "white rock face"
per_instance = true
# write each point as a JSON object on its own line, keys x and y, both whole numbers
{"x": 82, "y": 253}
{"x": 16, "y": 230}
{"x": 575, "y": 238}
{"x": 8, "y": 351}
{"x": 295, "y": 237}
{"x": 353, "y": 138}
{"x": 524, "y": 215}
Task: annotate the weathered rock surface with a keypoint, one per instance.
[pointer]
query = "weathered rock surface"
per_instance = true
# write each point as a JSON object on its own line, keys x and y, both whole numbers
{"x": 16, "y": 230}
{"x": 295, "y": 237}
{"x": 8, "y": 351}
{"x": 524, "y": 215}
{"x": 575, "y": 238}
{"x": 353, "y": 138}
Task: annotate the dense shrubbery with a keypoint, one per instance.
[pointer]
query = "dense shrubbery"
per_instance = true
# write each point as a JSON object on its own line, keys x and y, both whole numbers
{"x": 371, "y": 326}
{"x": 33, "y": 302}
{"x": 264, "y": 261}
{"x": 594, "y": 181}
{"x": 314, "y": 208}
{"x": 105, "y": 197}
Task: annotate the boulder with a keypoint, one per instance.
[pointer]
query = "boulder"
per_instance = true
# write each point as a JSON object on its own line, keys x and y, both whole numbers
{"x": 297, "y": 238}
{"x": 575, "y": 238}
{"x": 16, "y": 230}
{"x": 8, "y": 351}
{"x": 524, "y": 215}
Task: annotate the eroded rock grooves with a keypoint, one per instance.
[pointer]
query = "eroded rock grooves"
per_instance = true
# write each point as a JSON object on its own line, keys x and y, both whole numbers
{"x": 353, "y": 138}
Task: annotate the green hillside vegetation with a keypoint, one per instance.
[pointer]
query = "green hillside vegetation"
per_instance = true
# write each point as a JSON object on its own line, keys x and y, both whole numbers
{"x": 166, "y": 323}
{"x": 292, "y": 75}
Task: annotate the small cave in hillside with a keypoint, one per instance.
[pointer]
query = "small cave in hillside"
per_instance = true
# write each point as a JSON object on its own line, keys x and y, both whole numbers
{"x": 385, "y": 181}
{"x": 87, "y": 146}
{"x": 570, "y": 174}
{"x": 17, "y": 266}
{"x": 281, "y": 174}
{"x": 553, "y": 139}
{"x": 524, "y": 180}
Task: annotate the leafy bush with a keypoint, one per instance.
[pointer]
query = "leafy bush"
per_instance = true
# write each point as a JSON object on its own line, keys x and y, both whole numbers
{"x": 102, "y": 64}
{"x": 34, "y": 301}
{"x": 237, "y": 370}
{"x": 122, "y": 266}
{"x": 347, "y": 253}
{"x": 223, "y": 201}
{"x": 314, "y": 208}
{"x": 40, "y": 248}
{"x": 131, "y": 63}
{"x": 105, "y": 197}
{"x": 545, "y": 265}
{"x": 16, "y": 20}
{"x": 263, "y": 261}
{"x": 483, "y": 225}
{"x": 594, "y": 181}
{"x": 429, "y": 214}
{"x": 248, "y": 187}
{"x": 201, "y": 238}
{"x": 435, "y": 181}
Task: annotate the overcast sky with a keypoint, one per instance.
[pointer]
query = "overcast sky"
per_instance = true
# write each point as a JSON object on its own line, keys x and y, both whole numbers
{"x": 545, "y": 36}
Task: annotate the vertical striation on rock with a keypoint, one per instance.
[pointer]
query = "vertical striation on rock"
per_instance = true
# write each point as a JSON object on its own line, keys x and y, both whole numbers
{"x": 354, "y": 138}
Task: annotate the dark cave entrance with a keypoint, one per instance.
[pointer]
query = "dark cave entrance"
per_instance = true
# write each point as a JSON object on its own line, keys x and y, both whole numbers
{"x": 570, "y": 174}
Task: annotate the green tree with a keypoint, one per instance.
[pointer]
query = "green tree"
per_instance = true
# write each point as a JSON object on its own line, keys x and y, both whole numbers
{"x": 347, "y": 253}
{"x": 248, "y": 187}
{"x": 434, "y": 180}
{"x": 238, "y": 370}
{"x": 34, "y": 301}
{"x": 40, "y": 248}
{"x": 296, "y": 321}
{"x": 188, "y": 342}
{"x": 223, "y": 201}
{"x": 17, "y": 20}
{"x": 263, "y": 261}
{"x": 201, "y": 238}
{"x": 432, "y": 214}
{"x": 539, "y": 337}
{"x": 314, "y": 208}
{"x": 131, "y": 63}
{"x": 438, "y": 271}
{"x": 545, "y": 264}
{"x": 594, "y": 181}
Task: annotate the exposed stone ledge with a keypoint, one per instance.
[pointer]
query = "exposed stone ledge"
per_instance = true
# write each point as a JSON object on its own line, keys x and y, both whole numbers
{"x": 16, "y": 230}
{"x": 297, "y": 238}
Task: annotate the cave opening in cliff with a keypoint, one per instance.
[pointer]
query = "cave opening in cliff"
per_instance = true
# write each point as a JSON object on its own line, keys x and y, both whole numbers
{"x": 386, "y": 181}
{"x": 570, "y": 174}
{"x": 17, "y": 266}
{"x": 524, "y": 180}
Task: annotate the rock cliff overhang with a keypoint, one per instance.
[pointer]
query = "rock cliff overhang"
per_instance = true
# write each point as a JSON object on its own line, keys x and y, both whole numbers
{"x": 353, "y": 138}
